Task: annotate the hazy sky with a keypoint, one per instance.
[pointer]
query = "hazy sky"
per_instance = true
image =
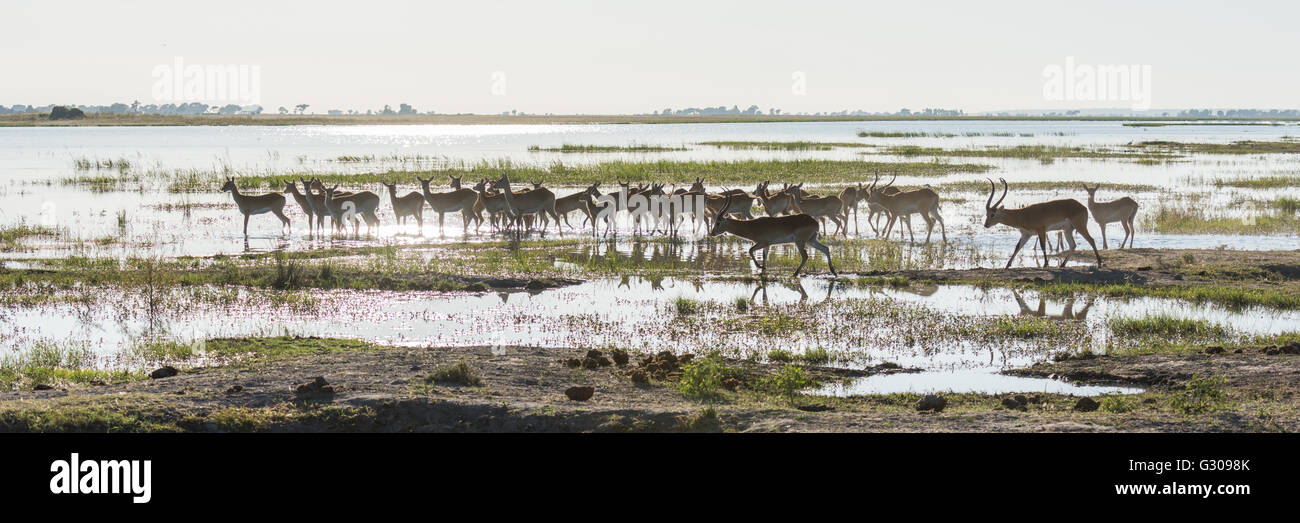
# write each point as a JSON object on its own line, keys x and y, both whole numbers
{"x": 634, "y": 57}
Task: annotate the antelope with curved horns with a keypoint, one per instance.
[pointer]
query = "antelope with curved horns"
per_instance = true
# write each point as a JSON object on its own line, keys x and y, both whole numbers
{"x": 799, "y": 229}
{"x": 820, "y": 207}
{"x": 1122, "y": 210}
{"x": 1037, "y": 218}
{"x": 251, "y": 204}
{"x": 923, "y": 201}
{"x": 778, "y": 204}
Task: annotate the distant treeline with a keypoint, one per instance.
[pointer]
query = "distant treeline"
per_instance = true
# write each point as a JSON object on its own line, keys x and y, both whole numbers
{"x": 1241, "y": 113}
{"x": 754, "y": 110}
{"x": 192, "y": 108}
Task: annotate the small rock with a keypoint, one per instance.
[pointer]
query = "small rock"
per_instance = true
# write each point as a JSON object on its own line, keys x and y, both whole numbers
{"x": 581, "y": 393}
{"x": 1214, "y": 350}
{"x": 317, "y": 386}
{"x": 1011, "y": 403}
{"x": 235, "y": 389}
{"x": 166, "y": 371}
{"x": 572, "y": 363}
{"x": 1086, "y": 405}
{"x": 639, "y": 377}
{"x": 932, "y": 402}
{"x": 620, "y": 357}
{"x": 43, "y": 386}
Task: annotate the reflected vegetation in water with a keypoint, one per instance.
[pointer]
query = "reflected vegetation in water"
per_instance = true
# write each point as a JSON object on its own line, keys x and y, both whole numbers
{"x": 957, "y": 329}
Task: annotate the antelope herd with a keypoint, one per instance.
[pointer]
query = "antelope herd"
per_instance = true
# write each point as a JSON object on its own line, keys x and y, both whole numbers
{"x": 793, "y": 215}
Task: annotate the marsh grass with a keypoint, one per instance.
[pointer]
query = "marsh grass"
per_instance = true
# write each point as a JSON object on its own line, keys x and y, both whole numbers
{"x": 1228, "y": 296}
{"x": 1238, "y": 147}
{"x": 702, "y": 378}
{"x": 685, "y": 306}
{"x": 1167, "y": 326}
{"x": 1261, "y": 182}
{"x": 1026, "y": 152}
{"x": 555, "y": 173}
{"x": 1170, "y": 219}
{"x": 787, "y": 383}
{"x": 783, "y": 146}
{"x": 46, "y": 363}
{"x": 981, "y": 186}
{"x": 459, "y": 373}
{"x": 12, "y": 237}
{"x": 632, "y": 148}
{"x": 1200, "y": 395}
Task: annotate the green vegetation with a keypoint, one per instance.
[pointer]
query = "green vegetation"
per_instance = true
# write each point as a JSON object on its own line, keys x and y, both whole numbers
{"x": 1027, "y": 327}
{"x": 1027, "y": 152}
{"x": 554, "y": 174}
{"x": 981, "y": 186}
{"x": 282, "y": 346}
{"x": 459, "y": 373}
{"x": 784, "y": 146}
{"x": 703, "y": 377}
{"x": 140, "y": 412}
{"x": 11, "y": 237}
{"x": 56, "y": 366}
{"x": 685, "y": 306}
{"x": 788, "y": 382}
{"x": 1233, "y": 297}
{"x": 1163, "y": 124}
{"x": 1200, "y": 395}
{"x": 1164, "y": 325}
{"x": 1195, "y": 220}
{"x": 1262, "y": 182}
{"x": 1238, "y": 147}
{"x": 633, "y": 148}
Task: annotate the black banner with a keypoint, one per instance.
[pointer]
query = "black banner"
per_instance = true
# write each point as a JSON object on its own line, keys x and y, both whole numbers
{"x": 156, "y": 472}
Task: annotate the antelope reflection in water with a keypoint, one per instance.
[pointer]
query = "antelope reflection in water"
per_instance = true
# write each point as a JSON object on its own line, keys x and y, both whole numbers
{"x": 1067, "y": 313}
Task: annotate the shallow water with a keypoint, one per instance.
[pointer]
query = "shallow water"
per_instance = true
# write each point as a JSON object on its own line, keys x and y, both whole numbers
{"x": 634, "y": 313}
{"x": 33, "y": 160}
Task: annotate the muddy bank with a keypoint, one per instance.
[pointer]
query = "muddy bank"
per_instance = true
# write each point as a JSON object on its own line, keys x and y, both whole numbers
{"x": 1262, "y": 368}
{"x": 514, "y": 389}
{"x": 1279, "y": 269}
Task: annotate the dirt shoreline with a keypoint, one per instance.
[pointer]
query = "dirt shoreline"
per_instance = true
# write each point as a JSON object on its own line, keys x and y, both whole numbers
{"x": 523, "y": 390}
{"x": 1174, "y": 267}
